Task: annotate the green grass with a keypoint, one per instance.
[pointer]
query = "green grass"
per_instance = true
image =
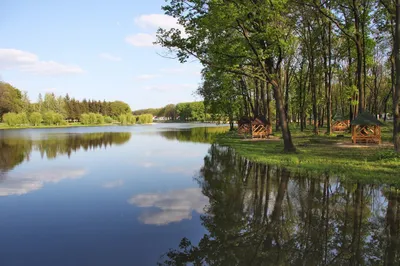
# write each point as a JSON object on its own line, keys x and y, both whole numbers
{"x": 318, "y": 155}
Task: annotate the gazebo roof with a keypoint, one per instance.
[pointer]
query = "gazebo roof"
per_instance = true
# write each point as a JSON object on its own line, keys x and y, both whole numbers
{"x": 339, "y": 118}
{"x": 260, "y": 120}
{"x": 244, "y": 120}
{"x": 366, "y": 118}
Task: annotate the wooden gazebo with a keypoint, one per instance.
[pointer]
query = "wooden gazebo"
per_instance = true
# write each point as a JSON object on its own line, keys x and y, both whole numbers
{"x": 340, "y": 124}
{"x": 244, "y": 126}
{"x": 260, "y": 128}
{"x": 365, "y": 128}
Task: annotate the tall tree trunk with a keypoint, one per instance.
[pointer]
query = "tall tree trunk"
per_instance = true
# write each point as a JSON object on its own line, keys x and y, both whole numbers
{"x": 396, "y": 92}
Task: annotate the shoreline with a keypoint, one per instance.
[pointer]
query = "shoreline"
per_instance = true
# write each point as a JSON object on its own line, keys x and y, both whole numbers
{"x": 322, "y": 155}
{"x": 63, "y": 126}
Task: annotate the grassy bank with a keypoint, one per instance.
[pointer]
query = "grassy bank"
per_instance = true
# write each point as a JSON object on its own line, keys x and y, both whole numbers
{"x": 323, "y": 154}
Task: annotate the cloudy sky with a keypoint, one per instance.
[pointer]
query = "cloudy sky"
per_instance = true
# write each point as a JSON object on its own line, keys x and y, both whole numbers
{"x": 92, "y": 49}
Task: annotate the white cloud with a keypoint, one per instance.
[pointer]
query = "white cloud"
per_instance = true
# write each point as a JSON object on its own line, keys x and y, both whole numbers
{"x": 110, "y": 57}
{"x": 173, "y": 206}
{"x": 113, "y": 184}
{"x": 22, "y": 183}
{"x": 29, "y": 62}
{"x": 150, "y": 23}
{"x": 141, "y": 40}
{"x": 146, "y": 77}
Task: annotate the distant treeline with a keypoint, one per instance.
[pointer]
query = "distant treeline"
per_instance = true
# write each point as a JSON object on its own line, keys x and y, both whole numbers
{"x": 16, "y": 110}
{"x": 188, "y": 111}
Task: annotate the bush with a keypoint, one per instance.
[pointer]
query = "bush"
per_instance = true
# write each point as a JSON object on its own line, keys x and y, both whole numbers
{"x": 99, "y": 119}
{"x": 59, "y": 119}
{"x": 123, "y": 119}
{"x": 145, "y": 119}
{"x": 35, "y": 118}
{"x": 10, "y": 119}
{"x": 22, "y": 119}
{"x": 130, "y": 119}
{"x": 49, "y": 118}
{"x": 108, "y": 120}
{"x": 92, "y": 118}
{"x": 85, "y": 119}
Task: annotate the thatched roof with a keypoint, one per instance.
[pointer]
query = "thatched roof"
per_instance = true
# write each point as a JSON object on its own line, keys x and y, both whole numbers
{"x": 367, "y": 119}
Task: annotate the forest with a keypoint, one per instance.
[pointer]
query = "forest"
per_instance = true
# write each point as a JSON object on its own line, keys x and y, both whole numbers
{"x": 17, "y": 110}
{"x": 290, "y": 61}
{"x": 186, "y": 111}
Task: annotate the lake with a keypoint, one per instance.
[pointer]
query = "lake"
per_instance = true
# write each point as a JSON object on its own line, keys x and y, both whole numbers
{"x": 164, "y": 194}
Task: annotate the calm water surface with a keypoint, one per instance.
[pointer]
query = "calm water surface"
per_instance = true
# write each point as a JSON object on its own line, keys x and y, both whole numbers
{"x": 144, "y": 195}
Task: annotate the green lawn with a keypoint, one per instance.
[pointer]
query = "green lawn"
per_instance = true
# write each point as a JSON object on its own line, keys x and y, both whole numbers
{"x": 323, "y": 154}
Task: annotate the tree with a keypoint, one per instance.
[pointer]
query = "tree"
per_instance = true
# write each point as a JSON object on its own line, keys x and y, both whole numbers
{"x": 10, "y": 99}
{"x": 245, "y": 38}
{"x": 35, "y": 118}
{"x": 396, "y": 92}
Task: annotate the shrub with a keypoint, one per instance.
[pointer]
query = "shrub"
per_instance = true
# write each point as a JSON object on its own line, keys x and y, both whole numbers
{"x": 59, "y": 119}
{"x": 35, "y": 118}
{"x": 49, "y": 117}
{"x": 10, "y": 119}
{"x": 130, "y": 119}
{"x": 92, "y": 118}
{"x": 108, "y": 120}
{"x": 99, "y": 119}
{"x": 145, "y": 119}
{"x": 85, "y": 119}
{"x": 122, "y": 119}
{"x": 22, "y": 119}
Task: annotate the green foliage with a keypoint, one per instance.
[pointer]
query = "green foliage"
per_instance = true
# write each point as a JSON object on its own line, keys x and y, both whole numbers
{"x": 119, "y": 107}
{"x": 22, "y": 118}
{"x": 123, "y": 119}
{"x": 92, "y": 119}
{"x": 388, "y": 155}
{"x": 53, "y": 118}
{"x": 99, "y": 119}
{"x": 145, "y": 119}
{"x": 130, "y": 119}
{"x": 10, "y": 99}
{"x": 10, "y": 119}
{"x": 35, "y": 118}
{"x": 13, "y": 119}
{"x": 108, "y": 120}
{"x": 85, "y": 119}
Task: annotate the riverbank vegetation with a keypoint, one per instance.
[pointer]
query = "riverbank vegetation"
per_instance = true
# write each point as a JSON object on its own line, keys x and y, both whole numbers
{"x": 16, "y": 111}
{"x": 333, "y": 155}
{"x": 292, "y": 61}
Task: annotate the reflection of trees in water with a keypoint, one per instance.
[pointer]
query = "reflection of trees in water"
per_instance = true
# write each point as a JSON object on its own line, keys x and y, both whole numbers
{"x": 196, "y": 134}
{"x": 263, "y": 215}
{"x": 15, "y": 151}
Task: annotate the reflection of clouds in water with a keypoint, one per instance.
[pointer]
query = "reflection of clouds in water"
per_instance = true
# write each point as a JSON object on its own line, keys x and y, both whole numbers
{"x": 173, "y": 206}
{"x": 22, "y": 183}
{"x": 190, "y": 171}
{"x": 113, "y": 184}
{"x": 182, "y": 153}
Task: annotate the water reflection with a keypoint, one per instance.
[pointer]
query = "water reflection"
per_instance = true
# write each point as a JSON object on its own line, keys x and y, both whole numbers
{"x": 14, "y": 151}
{"x": 173, "y": 206}
{"x": 196, "y": 134}
{"x": 262, "y": 215}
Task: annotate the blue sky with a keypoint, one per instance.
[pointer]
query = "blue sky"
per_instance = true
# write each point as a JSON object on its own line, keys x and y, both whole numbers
{"x": 92, "y": 49}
